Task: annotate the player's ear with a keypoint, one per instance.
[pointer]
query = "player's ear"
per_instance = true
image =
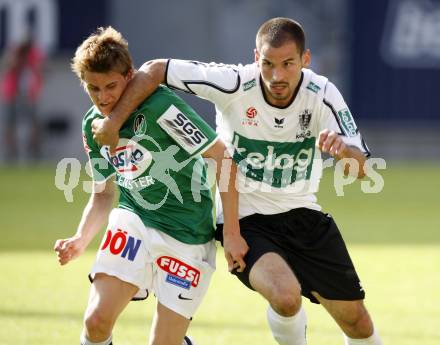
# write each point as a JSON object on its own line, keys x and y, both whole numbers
{"x": 130, "y": 74}
{"x": 306, "y": 58}
{"x": 256, "y": 54}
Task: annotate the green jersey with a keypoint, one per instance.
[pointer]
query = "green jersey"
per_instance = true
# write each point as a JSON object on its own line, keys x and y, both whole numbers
{"x": 158, "y": 166}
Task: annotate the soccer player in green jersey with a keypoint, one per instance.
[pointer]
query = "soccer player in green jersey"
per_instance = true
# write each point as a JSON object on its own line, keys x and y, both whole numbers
{"x": 159, "y": 239}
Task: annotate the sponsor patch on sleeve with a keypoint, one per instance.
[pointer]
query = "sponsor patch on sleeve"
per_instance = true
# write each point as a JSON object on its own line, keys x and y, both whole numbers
{"x": 347, "y": 122}
{"x": 249, "y": 85}
{"x": 313, "y": 87}
{"x": 182, "y": 130}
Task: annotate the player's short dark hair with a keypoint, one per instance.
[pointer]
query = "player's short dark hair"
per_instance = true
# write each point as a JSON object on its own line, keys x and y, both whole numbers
{"x": 278, "y": 31}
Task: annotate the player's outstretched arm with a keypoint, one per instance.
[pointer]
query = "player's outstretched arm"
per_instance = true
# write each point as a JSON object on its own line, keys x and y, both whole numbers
{"x": 235, "y": 246}
{"x": 94, "y": 216}
{"x": 144, "y": 83}
{"x": 333, "y": 144}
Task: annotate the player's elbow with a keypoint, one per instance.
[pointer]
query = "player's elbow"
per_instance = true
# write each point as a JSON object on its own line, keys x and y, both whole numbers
{"x": 154, "y": 69}
{"x": 146, "y": 66}
{"x": 355, "y": 168}
{"x": 104, "y": 192}
{"x": 361, "y": 171}
{"x": 361, "y": 174}
{"x": 217, "y": 151}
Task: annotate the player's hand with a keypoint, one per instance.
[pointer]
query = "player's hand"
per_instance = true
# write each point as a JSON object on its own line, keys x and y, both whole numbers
{"x": 235, "y": 248}
{"x": 105, "y": 133}
{"x": 69, "y": 249}
{"x": 331, "y": 143}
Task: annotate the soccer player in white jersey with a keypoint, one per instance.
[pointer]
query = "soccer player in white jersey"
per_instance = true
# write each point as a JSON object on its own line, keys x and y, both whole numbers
{"x": 160, "y": 238}
{"x": 277, "y": 117}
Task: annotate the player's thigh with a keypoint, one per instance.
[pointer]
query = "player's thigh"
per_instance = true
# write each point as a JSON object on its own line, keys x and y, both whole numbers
{"x": 168, "y": 327}
{"x": 124, "y": 252}
{"x": 267, "y": 258}
{"x": 272, "y": 277}
{"x": 109, "y": 296}
{"x": 182, "y": 272}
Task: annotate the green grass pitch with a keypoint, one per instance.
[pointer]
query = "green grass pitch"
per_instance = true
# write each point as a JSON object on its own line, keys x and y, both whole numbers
{"x": 393, "y": 237}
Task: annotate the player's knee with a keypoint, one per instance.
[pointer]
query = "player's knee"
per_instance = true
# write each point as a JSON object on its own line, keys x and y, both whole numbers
{"x": 358, "y": 324}
{"x": 98, "y": 325}
{"x": 286, "y": 303}
{"x": 363, "y": 326}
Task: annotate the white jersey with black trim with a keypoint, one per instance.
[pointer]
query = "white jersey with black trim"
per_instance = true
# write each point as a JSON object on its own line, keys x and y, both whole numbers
{"x": 275, "y": 148}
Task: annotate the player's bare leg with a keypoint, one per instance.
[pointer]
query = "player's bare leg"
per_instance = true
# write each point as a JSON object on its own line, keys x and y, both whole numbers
{"x": 273, "y": 278}
{"x": 168, "y": 327}
{"x": 108, "y": 297}
{"x": 353, "y": 318}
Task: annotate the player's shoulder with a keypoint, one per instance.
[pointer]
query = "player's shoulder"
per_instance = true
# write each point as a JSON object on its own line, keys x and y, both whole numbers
{"x": 162, "y": 93}
{"x": 314, "y": 83}
{"x": 248, "y": 70}
{"x": 160, "y": 100}
{"x": 249, "y": 76}
{"x": 89, "y": 116}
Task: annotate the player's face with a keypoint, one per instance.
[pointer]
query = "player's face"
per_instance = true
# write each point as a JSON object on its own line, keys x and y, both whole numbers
{"x": 281, "y": 71}
{"x": 105, "y": 89}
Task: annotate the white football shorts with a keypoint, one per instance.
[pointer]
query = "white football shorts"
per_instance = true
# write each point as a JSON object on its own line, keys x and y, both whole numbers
{"x": 177, "y": 273}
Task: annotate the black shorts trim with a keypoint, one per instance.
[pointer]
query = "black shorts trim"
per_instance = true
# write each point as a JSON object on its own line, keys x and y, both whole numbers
{"x": 311, "y": 244}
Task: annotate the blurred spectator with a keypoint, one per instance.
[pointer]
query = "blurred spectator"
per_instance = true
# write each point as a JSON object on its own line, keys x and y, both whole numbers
{"x": 21, "y": 86}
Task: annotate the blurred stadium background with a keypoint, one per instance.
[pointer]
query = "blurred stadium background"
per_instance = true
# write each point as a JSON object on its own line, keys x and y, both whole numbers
{"x": 384, "y": 55}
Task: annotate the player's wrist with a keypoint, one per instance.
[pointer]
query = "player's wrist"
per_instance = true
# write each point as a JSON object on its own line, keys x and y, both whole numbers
{"x": 231, "y": 229}
{"x": 83, "y": 239}
{"x": 113, "y": 123}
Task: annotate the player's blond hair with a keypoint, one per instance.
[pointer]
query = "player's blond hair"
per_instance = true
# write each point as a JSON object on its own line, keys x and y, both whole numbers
{"x": 103, "y": 51}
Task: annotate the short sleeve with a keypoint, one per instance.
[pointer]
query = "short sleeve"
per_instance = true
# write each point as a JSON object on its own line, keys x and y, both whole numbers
{"x": 211, "y": 81}
{"x": 100, "y": 167}
{"x": 336, "y": 116}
